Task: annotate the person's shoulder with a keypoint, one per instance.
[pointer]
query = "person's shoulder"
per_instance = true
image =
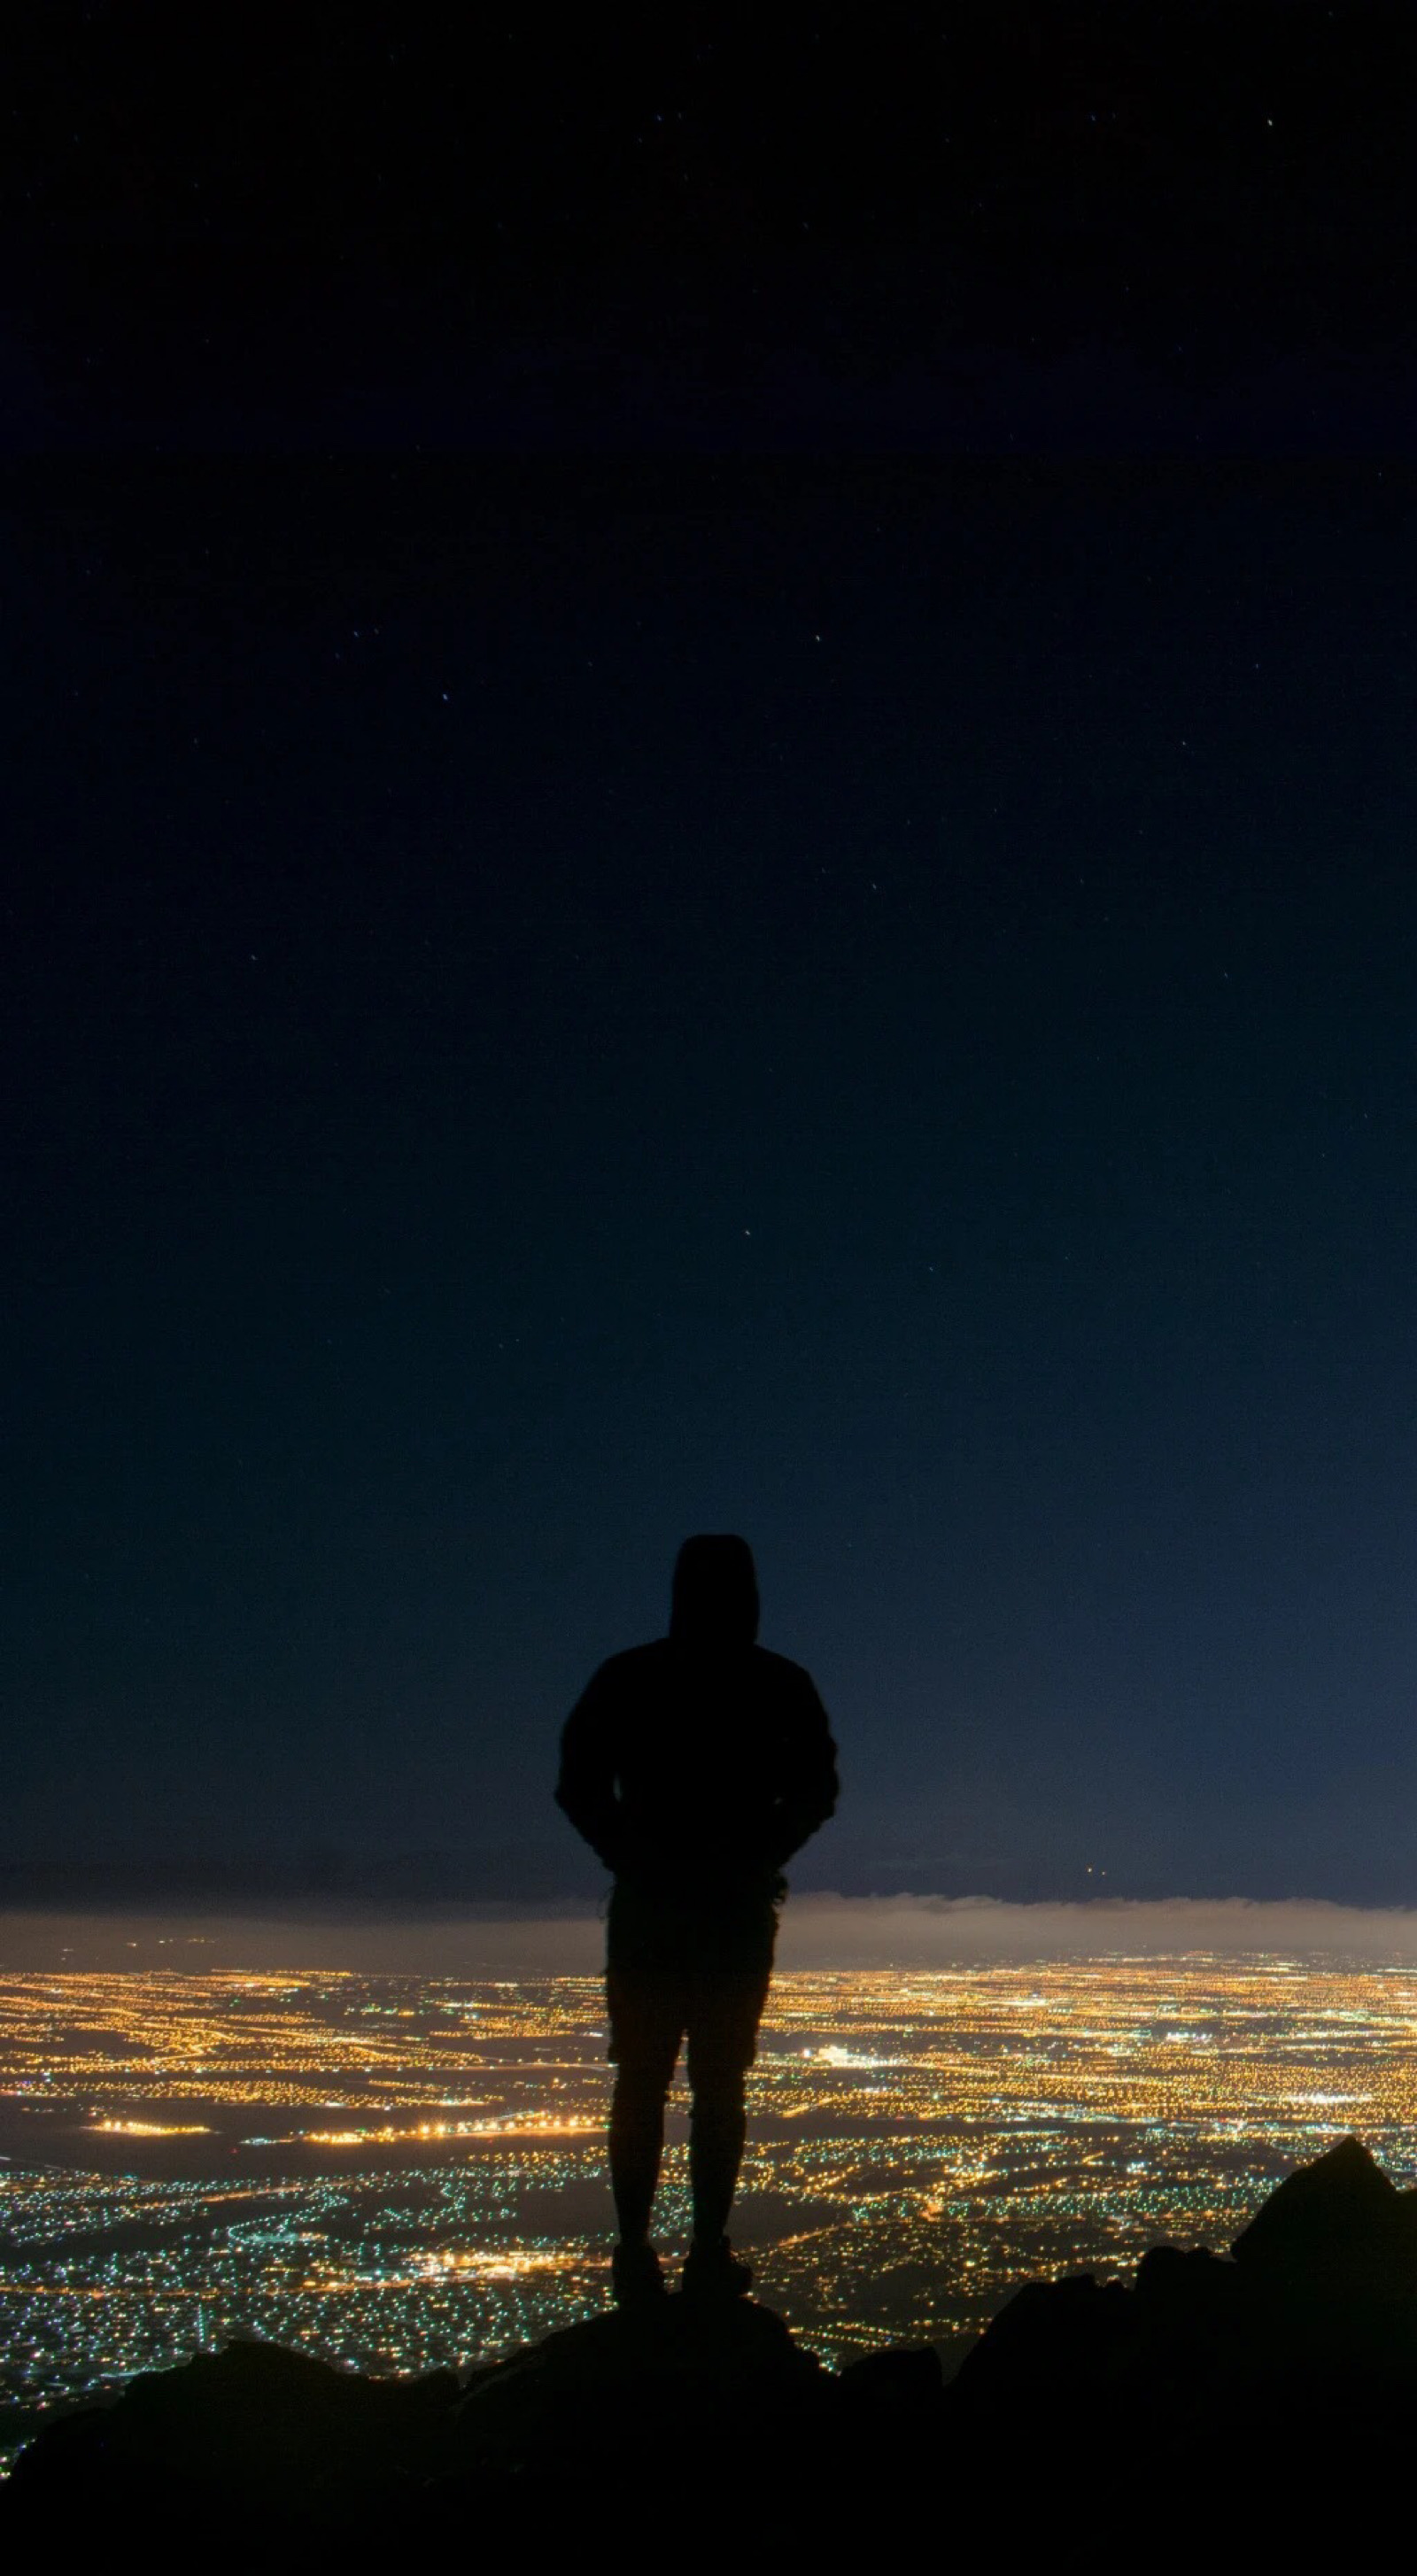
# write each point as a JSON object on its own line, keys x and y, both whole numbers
{"x": 632, "y": 1666}
{"x": 617, "y": 1691}
{"x": 780, "y": 1674}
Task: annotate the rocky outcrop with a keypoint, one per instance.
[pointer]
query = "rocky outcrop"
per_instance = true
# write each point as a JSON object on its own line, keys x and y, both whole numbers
{"x": 1247, "y": 2410}
{"x": 1340, "y": 2221}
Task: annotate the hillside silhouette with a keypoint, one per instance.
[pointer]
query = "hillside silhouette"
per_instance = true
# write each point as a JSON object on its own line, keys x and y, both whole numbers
{"x": 1249, "y": 2409}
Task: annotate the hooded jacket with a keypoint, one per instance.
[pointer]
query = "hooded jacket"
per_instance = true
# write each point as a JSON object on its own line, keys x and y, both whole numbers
{"x": 697, "y": 1765}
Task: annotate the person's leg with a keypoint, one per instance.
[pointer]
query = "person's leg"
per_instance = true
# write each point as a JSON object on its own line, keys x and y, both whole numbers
{"x": 725, "y": 2007}
{"x": 637, "y": 2141}
{"x": 645, "y": 2002}
{"x": 718, "y": 2128}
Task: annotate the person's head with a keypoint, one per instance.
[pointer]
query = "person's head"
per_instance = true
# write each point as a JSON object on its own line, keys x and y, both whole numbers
{"x": 715, "y": 1597}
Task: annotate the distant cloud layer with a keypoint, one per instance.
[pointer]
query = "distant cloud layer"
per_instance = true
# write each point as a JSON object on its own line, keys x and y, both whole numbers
{"x": 818, "y": 1932}
{"x": 924, "y": 1931}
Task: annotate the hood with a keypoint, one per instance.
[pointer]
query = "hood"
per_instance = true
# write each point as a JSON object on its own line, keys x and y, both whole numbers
{"x": 715, "y": 1598}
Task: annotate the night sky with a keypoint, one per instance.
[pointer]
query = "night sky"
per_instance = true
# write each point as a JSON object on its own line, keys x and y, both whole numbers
{"x": 709, "y": 774}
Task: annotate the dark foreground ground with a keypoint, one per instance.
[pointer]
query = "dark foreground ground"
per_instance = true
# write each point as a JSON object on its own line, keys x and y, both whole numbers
{"x": 1254, "y": 2410}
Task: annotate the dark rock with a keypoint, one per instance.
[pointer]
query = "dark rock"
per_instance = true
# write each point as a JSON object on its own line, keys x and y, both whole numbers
{"x": 1250, "y": 2412}
{"x": 733, "y": 2368}
{"x": 645, "y": 2410}
{"x": 1338, "y": 2220}
{"x": 255, "y": 2425}
{"x": 906, "y": 2379}
{"x": 1046, "y": 2336}
{"x": 1187, "y": 2289}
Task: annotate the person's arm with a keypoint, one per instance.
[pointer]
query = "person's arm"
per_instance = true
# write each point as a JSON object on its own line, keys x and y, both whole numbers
{"x": 585, "y": 1790}
{"x": 811, "y": 1792}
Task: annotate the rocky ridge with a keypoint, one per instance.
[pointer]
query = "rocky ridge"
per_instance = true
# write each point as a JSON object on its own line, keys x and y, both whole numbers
{"x": 1250, "y": 2410}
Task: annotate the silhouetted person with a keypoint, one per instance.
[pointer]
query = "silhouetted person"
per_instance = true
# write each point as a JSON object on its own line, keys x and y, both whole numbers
{"x": 695, "y": 1767}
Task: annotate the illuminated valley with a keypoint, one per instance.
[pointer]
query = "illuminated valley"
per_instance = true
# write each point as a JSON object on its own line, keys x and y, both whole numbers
{"x": 402, "y": 2173}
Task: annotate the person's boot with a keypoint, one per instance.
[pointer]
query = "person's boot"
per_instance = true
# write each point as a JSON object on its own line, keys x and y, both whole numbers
{"x": 713, "y": 2271}
{"x": 635, "y": 2276}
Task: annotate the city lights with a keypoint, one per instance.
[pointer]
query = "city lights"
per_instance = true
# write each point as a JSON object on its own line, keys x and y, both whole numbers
{"x": 152, "y": 2128}
{"x": 406, "y": 2173}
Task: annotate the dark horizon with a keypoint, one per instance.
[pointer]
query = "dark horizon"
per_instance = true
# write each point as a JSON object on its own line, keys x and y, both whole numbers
{"x": 419, "y": 1885}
